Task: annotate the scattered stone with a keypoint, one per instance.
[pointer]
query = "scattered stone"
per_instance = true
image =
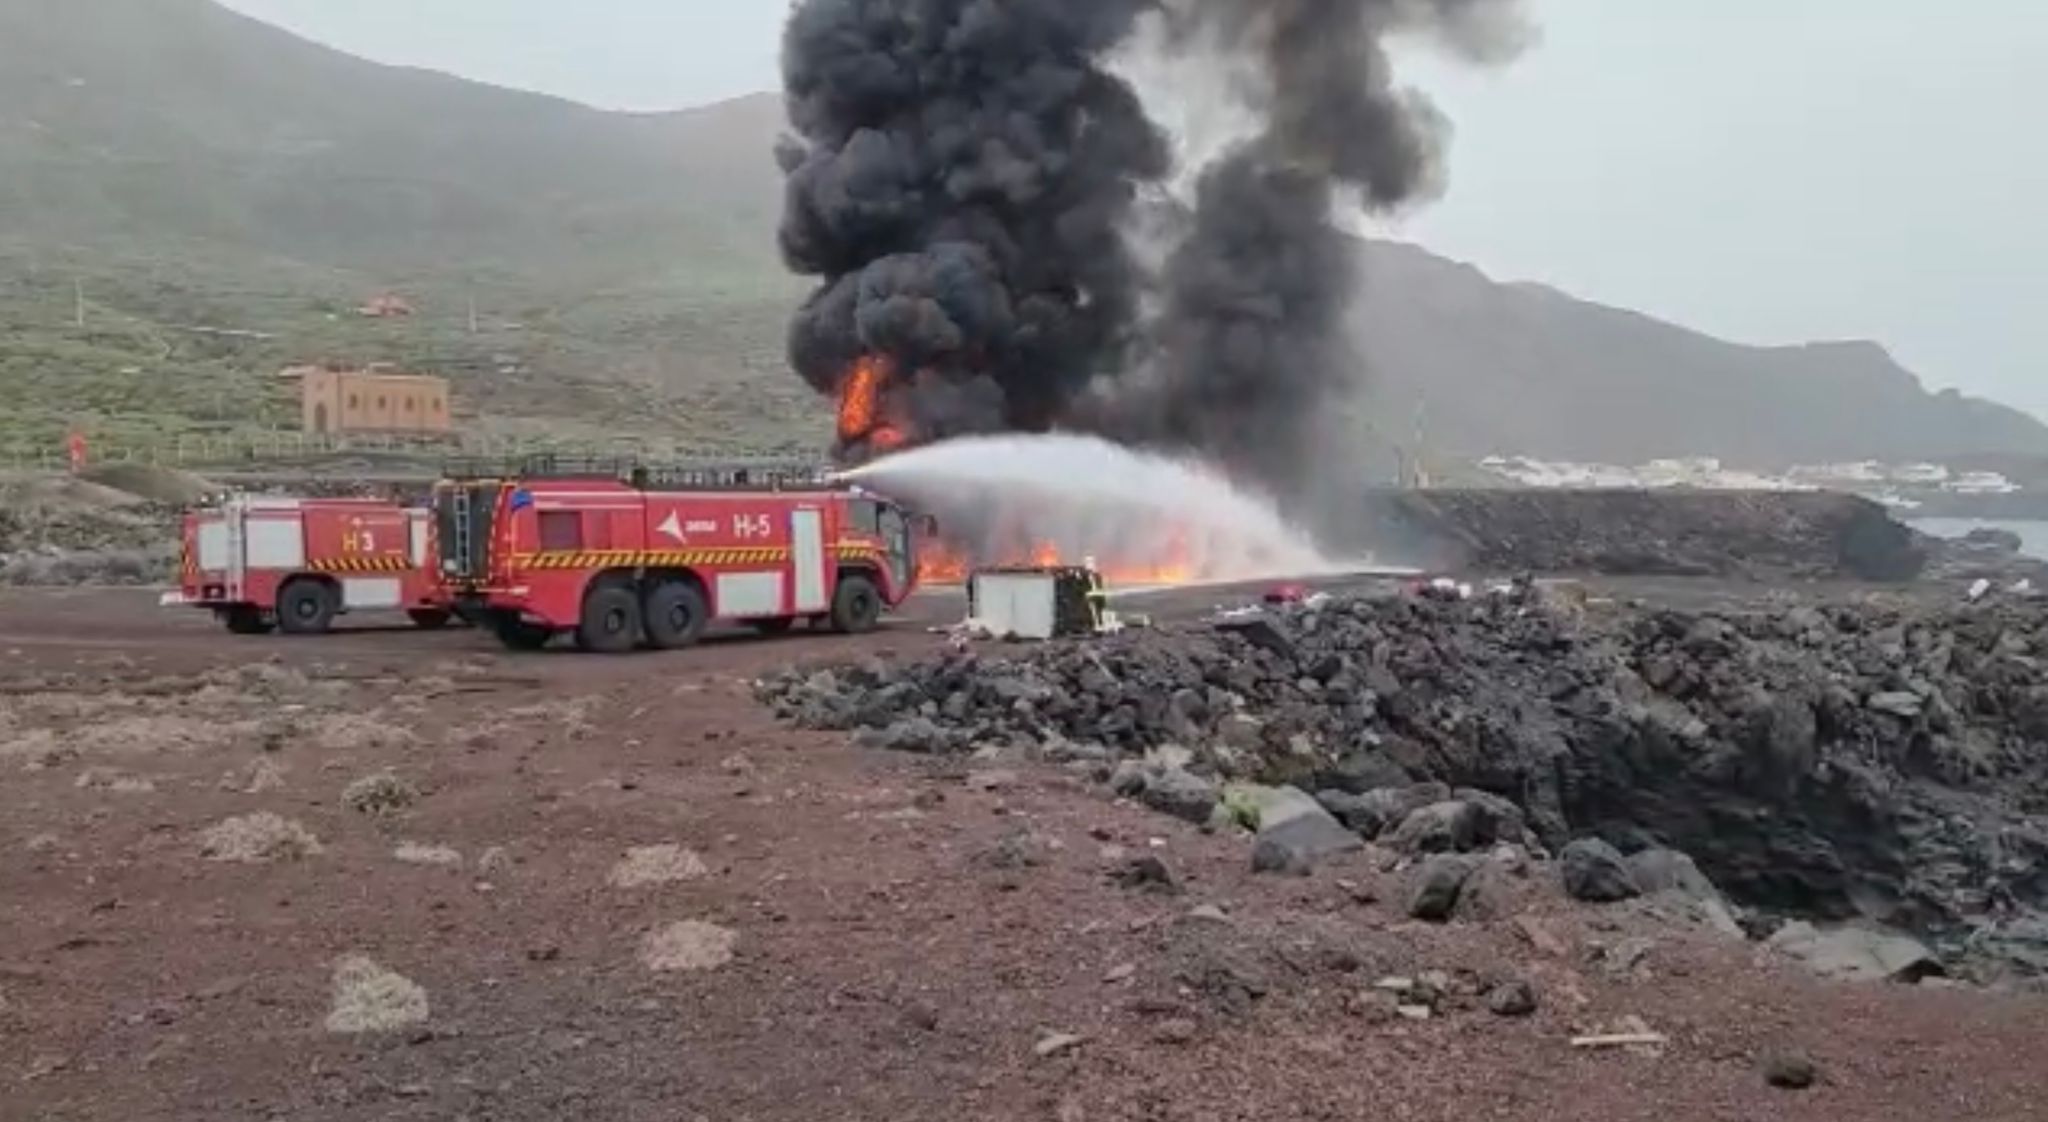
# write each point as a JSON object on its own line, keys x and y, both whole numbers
{"x": 1375, "y": 1006}
{"x": 1360, "y": 892}
{"x": 1667, "y": 870}
{"x": 1146, "y": 871}
{"x": 1175, "y": 1030}
{"x": 493, "y": 861}
{"x": 690, "y": 945}
{"x": 257, "y": 838}
{"x": 1596, "y": 872}
{"x": 116, "y": 782}
{"x": 1241, "y": 732}
{"x": 1625, "y": 958}
{"x": 1856, "y": 954}
{"x": 1434, "y": 893}
{"x": 44, "y": 1066}
{"x": 1493, "y": 892}
{"x": 1790, "y": 1071}
{"x": 1446, "y": 827}
{"x": 1513, "y": 998}
{"x": 264, "y": 775}
{"x": 42, "y": 843}
{"x": 1540, "y": 936}
{"x": 1121, "y": 972}
{"x": 1184, "y": 796}
{"x": 990, "y": 781}
{"x": 1052, "y": 1044}
{"x": 1207, "y": 913}
{"x": 1020, "y": 848}
{"x": 1903, "y": 705}
{"x": 1128, "y": 780}
{"x": 1260, "y": 631}
{"x": 370, "y": 999}
{"x": 413, "y": 853}
{"x": 1296, "y": 834}
{"x": 657, "y": 864}
{"x": 920, "y": 735}
{"x": 379, "y": 794}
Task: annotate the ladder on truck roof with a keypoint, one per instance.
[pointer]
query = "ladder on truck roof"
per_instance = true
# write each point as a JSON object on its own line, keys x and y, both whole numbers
{"x": 744, "y": 475}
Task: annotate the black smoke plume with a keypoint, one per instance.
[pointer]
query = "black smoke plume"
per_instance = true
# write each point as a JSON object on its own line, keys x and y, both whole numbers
{"x": 1253, "y": 347}
{"x": 965, "y": 173}
{"x": 959, "y": 176}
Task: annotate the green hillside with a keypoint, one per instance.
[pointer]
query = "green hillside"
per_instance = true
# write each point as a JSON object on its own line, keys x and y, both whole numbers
{"x": 223, "y": 195}
{"x": 190, "y": 171}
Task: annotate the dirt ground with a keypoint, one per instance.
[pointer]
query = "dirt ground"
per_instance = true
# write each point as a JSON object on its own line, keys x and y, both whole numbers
{"x": 393, "y": 875}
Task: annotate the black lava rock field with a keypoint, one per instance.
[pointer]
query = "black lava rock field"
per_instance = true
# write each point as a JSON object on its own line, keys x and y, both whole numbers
{"x": 1855, "y": 760}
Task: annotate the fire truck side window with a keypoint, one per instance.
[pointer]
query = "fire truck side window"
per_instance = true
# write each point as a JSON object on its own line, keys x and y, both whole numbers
{"x": 560, "y": 530}
{"x": 864, "y": 516}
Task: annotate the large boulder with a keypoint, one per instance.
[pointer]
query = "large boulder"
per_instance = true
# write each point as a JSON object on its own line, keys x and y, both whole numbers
{"x": 1295, "y": 833}
{"x": 1856, "y": 954}
{"x": 1182, "y": 794}
{"x": 1433, "y": 893}
{"x": 1446, "y": 827}
{"x": 1597, "y": 872}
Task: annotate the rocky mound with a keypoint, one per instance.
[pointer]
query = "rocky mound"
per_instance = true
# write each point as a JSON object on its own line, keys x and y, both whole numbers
{"x": 1751, "y": 534}
{"x": 69, "y": 530}
{"x": 1856, "y": 761}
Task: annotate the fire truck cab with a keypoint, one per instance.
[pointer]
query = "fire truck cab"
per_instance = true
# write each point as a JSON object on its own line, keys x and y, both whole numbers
{"x": 263, "y": 563}
{"x": 623, "y": 554}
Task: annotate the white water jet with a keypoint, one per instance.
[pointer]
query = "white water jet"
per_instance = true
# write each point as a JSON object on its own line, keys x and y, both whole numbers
{"x": 1002, "y": 497}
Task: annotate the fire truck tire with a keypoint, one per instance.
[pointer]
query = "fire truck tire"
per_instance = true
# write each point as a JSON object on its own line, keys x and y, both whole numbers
{"x": 857, "y": 605}
{"x": 675, "y": 615}
{"x": 247, "y": 619}
{"x": 305, "y": 607}
{"x": 429, "y": 619}
{"x": 611, "y": 620}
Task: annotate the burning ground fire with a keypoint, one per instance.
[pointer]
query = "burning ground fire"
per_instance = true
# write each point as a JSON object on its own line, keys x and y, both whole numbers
{"x": 942, "y": 562}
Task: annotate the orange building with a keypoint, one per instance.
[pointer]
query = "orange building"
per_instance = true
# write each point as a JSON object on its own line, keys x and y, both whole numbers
{"x": 378, "y": 399}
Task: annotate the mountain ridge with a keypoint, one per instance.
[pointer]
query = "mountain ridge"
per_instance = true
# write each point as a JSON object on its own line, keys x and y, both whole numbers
{"x": 185, "y": 163}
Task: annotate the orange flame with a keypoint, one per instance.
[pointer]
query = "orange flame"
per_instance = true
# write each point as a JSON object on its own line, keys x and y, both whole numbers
{"x": 861, "y": 409}
{"x": 942, "y": 563}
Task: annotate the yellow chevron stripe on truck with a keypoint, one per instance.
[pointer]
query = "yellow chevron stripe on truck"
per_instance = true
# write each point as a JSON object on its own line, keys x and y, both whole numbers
{"x": 359, "y": 565}
{"x": 644, "y": 559}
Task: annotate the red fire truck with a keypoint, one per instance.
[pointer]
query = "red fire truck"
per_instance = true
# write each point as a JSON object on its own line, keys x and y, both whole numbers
{"x": 618, "y": 554}
{"x": 261, "y": 563}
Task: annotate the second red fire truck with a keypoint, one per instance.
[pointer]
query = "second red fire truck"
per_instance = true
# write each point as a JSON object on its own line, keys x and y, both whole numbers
{"x": 621, "y": 555}
{"x": 263, "y": 563}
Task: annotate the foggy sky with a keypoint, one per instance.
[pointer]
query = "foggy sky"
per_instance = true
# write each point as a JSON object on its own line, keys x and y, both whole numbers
{"x": 1763, "y": 171}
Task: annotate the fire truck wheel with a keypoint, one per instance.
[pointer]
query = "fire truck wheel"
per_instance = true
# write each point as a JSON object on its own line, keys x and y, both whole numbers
{"x": 429, "y": 619}
{"x": 305, "y": 607}
{"x": 247, "y": 619}
{"x": 611, "y": 620}
{"x": 676, "y": 615}
{"x": 857, "y": 606}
